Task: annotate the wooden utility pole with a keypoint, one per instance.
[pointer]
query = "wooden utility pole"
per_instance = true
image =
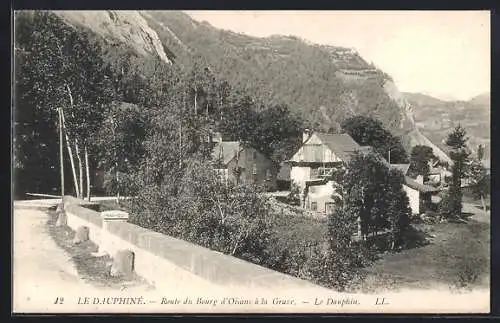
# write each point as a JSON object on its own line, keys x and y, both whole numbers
{"x": 61, "y": 151}
{"x": 115, "y": 156}
{"x": 180, "y": 144}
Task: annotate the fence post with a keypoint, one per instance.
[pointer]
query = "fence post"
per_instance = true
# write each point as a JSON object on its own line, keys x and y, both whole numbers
{"x": 106, "y": 243}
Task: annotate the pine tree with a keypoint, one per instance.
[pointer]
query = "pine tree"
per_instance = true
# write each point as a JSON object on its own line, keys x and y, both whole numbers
{"x": 451, "y": 206}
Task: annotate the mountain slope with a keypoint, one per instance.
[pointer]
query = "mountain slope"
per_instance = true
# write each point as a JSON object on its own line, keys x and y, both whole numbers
{"x": 420, "y": 99}
{"x": 481, "y": 99}
{"x": 324, "y": 84}
{"x": 284, "y": 69}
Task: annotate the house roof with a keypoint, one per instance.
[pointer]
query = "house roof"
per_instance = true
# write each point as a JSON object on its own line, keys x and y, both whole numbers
{"x": 342, "y": 144}
{"x": 316, "y": 182}
{"x": 226, "y": 150}
{"x": 402, "y": 167}
{"x": 410, "y": 182}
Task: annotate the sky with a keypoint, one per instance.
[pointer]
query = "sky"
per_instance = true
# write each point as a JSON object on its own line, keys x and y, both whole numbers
{"x": 441, "y": 53}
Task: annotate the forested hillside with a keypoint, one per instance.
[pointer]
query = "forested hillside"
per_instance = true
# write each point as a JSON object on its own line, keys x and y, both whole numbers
{"x": 324, "y": 84}
{"x": 137, "y": 55}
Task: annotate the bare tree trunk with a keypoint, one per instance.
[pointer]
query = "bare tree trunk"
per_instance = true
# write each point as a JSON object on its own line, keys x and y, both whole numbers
{"x": 220, "y": 106}
{"x": 180, "y": 145}
{"x": 80, "y": 168}
{"x": 70, "y": 153}
{"x": 117, "y": 177}
{"x": 87, "y": 171}
{"x": 61, "y": 152}
{"x": 195, "y": 101}
{"x": 115, "y": 155}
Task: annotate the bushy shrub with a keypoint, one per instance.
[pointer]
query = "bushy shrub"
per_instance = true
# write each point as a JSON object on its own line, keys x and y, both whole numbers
{"x": 293, "y": 197}
{"x": 238, "y": 220}
{"x": 199, "y": 208}
{"x": 339, "y": 265}
{"x": 122, "y": 183}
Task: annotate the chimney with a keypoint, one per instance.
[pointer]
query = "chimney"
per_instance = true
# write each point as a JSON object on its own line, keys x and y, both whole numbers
{"x": 305, "y": 135}
{"x": 420, "y": 179}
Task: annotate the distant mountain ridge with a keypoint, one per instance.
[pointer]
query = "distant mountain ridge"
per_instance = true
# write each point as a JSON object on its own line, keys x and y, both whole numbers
{"x": 435, "y": 118}
{"x": 324, "y": 84}
{"x": 481, "y": 99}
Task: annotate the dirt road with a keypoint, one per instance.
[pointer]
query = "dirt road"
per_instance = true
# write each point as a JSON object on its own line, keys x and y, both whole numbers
{"x": 477, "y": 212}
{"x": 41, "y": 270}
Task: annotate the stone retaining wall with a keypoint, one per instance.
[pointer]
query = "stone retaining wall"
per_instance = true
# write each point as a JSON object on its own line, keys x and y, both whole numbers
{"x": 164, "y": 261}
{"x": 78, "y": 216}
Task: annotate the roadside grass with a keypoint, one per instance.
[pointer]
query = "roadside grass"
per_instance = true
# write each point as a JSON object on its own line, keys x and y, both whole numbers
{"x": 92, "y": 269}
{"x": 456, "y": 256}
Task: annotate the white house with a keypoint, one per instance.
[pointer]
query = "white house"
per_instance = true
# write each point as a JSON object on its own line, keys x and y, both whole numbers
{"x": 419, "y": 194}
{"x": 313, "y": 165}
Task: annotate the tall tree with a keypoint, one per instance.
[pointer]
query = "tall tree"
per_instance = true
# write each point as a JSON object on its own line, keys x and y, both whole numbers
{"x": 420, "y": 157}
{"x": 120, "y": 143}
{"x": 371, "y": 132}
{"x": 398, "y": 209}
{"x": 364, "y": 176}
{"x": 278, "y": 133}
{"x": 63, "y": 70}
{"x": 372, "y": 191}
{"x": 479, "y": 180}
{"x": 459, "y": 153}
{"x": 241, "y": 121}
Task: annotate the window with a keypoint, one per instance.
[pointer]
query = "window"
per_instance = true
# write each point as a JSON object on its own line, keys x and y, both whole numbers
{"x": 329, "y": 207}
{"x": 314, "y": 206}
{"x": 314, "y": 173}
{"x": 323, "y": 172}
{"x": 254, "y": 169}
{"x": 268, "y": 175}
{"x": 223, "y": 175}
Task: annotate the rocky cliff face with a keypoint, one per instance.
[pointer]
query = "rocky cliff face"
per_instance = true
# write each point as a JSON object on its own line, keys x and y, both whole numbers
{"x": 119, "y": 26}
{"x": 324, "y": 84}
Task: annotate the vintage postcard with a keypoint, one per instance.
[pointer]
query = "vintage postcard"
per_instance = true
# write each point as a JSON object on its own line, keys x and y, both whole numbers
{"x": 251, "y": 162}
